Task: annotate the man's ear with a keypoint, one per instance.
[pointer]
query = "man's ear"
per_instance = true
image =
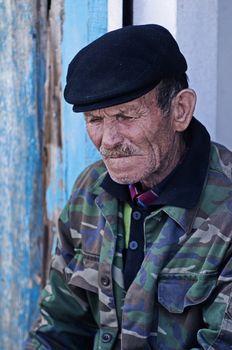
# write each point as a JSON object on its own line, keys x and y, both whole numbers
{"x": 183, "y": 108}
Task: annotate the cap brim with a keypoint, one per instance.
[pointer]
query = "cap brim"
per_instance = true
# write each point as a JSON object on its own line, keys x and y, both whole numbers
{"x": 113, "y": 101}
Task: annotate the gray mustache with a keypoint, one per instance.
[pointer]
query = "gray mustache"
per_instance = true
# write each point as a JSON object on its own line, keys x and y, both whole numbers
{"x": 118, "y": 151}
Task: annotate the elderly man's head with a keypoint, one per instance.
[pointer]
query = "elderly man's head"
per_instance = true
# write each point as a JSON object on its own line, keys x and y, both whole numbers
{"x": 132, "y": 86}
{"x": 138, "y": 140}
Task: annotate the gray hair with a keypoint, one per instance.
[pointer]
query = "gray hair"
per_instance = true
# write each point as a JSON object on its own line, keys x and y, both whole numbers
{"x": 167, "y": 89}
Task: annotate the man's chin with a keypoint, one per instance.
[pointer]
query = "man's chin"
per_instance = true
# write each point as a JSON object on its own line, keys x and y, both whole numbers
{"x": 123, "y": 180}
{"x": 125, "y": 171}
{"x": 121, "y": 170}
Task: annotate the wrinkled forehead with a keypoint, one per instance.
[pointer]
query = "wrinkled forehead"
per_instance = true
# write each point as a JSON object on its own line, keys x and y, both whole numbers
{"x": 126, "y": 108}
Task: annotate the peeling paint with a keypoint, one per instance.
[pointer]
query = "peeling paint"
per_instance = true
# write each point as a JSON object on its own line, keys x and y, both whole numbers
{"x": 53, "y": 158}
{"x": 43, "y": 144}
{"x": 21, "y": 199}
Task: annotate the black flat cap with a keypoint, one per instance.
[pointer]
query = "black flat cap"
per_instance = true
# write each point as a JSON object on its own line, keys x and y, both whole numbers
{"x": 122, "y": 65}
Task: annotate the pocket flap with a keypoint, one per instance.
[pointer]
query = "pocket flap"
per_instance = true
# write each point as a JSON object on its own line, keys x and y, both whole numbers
{"x": 82, "y": 272}
{"x": 176, "y": 292}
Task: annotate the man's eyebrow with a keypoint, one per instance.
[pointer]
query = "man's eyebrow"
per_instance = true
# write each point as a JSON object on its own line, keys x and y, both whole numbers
{"x": 116, "y": 115}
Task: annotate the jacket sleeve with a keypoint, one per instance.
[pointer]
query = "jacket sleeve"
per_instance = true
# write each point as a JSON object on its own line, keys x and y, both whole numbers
{"x": 66, "y": 320}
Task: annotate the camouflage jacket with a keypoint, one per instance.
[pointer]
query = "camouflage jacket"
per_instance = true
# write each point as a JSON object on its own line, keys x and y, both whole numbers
{"x": 181, "y": 296}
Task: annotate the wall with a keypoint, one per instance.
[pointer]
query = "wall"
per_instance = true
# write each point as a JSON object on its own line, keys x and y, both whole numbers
{"x": 84, "y": 21}
{"x": 22, "y": 75}
{"x": 156, "y": 11}
{"x": 197, "y": 30}
{"x": 224, "y": 73}
{"x": 43, "y": 144}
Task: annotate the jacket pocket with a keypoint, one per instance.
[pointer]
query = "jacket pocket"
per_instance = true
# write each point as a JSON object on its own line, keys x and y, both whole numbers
{"x": 178, "y": 291}
{"x": 82, "y": 271}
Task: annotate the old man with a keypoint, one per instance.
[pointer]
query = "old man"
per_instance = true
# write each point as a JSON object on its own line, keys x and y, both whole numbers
{"x": 144, "y": 253}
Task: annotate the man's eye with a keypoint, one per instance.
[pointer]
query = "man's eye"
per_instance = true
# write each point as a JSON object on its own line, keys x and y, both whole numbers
{"x": 93, "y": 120}
{"x": 124, "y": 117}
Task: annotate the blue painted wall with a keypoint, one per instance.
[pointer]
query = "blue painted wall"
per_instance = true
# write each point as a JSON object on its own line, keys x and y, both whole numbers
{"x": 21, "y": 193}
{"x": 84, "y": 21}
{"x": 23, "y": 197}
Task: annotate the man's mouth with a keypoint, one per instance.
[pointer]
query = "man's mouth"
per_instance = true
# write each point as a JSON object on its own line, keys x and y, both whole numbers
{"x": 116, "y": 156}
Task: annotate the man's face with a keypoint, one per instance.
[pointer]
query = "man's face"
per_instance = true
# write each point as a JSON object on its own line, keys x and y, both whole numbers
{"x": 135, "y": 139}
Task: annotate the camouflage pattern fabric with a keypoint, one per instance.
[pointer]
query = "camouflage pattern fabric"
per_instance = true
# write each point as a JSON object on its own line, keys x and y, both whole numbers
{"x": 180, "y": 298}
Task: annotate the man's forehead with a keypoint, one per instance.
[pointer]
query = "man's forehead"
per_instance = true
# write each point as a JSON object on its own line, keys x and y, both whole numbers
{"x": 124, "y": 108}
{"x": 117, "y": 109}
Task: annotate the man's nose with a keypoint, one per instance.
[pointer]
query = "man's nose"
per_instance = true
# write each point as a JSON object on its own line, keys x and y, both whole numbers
{"x": 111, "y": 133}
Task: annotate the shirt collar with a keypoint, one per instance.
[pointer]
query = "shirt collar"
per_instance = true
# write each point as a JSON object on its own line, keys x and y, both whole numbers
{"x": 182, "y": 188}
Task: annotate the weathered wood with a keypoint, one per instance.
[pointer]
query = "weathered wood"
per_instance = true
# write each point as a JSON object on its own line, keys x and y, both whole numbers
{"x": 68, "y": 149}
{"x": 53, "y": 160}
{"x": 43, "y": 145}
{"x": 21, "y": 201}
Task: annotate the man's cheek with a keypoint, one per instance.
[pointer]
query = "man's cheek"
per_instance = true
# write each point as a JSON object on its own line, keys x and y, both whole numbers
{"x": 94, "y": 137}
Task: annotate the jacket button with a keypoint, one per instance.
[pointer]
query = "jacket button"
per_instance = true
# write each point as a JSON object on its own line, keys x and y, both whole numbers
{"x": 133, "y": 245}
{"x": 136, "y": 215}
{"x": 106, "y": 337}
{"x": 105, "y": 281}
